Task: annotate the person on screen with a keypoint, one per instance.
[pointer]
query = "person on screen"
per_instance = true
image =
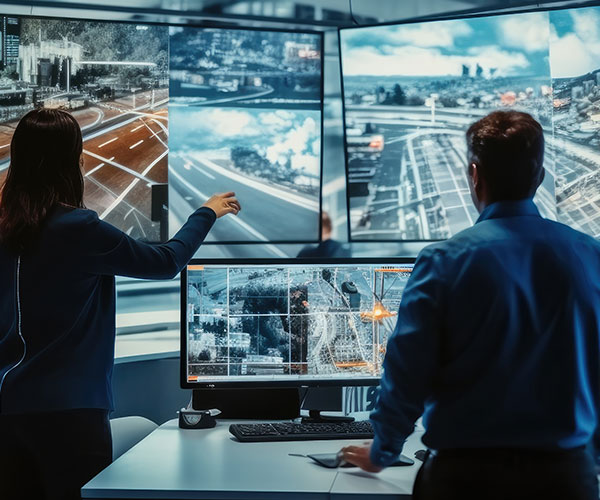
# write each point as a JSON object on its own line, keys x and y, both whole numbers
{"x": 57, "y": 309}
{"x": 328, "y": 246}
{"x": 497, "y": 341}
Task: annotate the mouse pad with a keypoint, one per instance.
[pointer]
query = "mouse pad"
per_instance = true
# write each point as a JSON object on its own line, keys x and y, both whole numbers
{"x": 333, "y": 460}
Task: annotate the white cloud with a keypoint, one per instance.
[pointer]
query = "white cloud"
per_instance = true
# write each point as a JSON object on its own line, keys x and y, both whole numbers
{"x": 307, "y": 162}
{"x": 578, "y": 52}
{"x": 586, "y": 24}
{"x": 416, "y": 61}
{"x": 316, "y": 147}
{"x": 226, "y": 122}
{"x": 563, "y": 62}
{"x": 274, "y": 120}
{"x": 296, "y": 142}
{"x": 436, "y": 34}
{"x": 528, "y": 32}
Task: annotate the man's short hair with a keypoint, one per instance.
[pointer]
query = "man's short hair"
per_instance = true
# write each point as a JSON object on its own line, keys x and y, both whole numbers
{"x": 508, "y": 148}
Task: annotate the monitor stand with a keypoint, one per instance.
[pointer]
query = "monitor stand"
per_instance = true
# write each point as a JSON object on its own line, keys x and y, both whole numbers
{"x": 252, "y": 403}
{"x": 315, "y": 417}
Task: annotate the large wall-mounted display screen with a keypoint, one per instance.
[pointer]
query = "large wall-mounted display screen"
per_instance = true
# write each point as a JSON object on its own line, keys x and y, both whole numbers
{"x": 575, "y": 64}
{"x": 113, "y": 78}
{"x": 412, "y": 90}
{"x": 245, "y": 116}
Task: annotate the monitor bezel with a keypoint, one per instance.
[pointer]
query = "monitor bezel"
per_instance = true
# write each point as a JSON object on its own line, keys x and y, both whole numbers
{"x": 220, "y": 384}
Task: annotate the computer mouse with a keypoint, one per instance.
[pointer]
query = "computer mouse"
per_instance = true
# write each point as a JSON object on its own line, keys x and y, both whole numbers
{"x": 333, "y": 460}
{"x": 329, "y": 460}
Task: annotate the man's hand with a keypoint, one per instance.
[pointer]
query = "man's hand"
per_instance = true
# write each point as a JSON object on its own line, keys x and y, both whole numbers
{"x": 223, "y": 204}
{"x": 360, "y": 456}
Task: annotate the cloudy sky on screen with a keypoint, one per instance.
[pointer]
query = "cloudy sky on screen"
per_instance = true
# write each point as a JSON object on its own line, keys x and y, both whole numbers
{"x": 514, "y": 45}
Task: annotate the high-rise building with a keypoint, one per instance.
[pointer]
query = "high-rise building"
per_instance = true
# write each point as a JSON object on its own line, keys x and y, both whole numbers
{"x": 49, "y": 62}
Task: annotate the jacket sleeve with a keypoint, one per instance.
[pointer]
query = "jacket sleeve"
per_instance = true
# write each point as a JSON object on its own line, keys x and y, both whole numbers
{"x": 410, "y": 363}
{"x": 109, "y": 251}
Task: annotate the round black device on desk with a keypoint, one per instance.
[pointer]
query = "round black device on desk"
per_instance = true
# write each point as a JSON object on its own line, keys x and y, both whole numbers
{"x": 196, "y": 419}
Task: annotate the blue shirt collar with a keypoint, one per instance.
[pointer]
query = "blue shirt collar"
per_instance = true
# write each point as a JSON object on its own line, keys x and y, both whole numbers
{"x": 514, "y": 208}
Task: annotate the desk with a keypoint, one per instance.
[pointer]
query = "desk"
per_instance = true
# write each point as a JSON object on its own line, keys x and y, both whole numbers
{"x": 210, "y": 464}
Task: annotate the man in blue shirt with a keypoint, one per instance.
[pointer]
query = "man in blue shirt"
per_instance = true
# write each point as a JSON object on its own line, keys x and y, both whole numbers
{"x": 497, "y": 341}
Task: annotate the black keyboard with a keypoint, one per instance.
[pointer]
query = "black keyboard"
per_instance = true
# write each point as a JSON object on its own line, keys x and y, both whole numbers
{"x": 288, "y": 431}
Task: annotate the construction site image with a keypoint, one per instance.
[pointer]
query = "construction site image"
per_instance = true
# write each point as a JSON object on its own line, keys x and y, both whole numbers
{"x": 113, "y": 78}
{"x": 316, "y": 321}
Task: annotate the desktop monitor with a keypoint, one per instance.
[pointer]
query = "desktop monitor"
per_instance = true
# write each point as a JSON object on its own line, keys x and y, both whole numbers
{"x": 289, "y": 322}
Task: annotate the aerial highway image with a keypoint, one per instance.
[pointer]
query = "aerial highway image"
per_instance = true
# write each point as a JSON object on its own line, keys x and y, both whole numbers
{"x": 245, "y": 116}
{"x": 295, "y": 321}
{"x": 411, "y": 91}
{"x": 576, "y": 83}
{"x": 113, "y": 78}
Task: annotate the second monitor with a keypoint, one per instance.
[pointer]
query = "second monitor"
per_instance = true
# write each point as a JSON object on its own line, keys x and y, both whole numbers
{"x": 288, "y": 322}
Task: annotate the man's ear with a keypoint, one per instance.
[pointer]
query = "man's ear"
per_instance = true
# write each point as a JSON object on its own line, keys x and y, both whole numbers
{"x": 474, "y": 173}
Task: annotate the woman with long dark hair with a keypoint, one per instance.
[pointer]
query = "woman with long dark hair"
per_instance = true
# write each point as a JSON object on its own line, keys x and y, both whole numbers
{"x": 57, "y": 309}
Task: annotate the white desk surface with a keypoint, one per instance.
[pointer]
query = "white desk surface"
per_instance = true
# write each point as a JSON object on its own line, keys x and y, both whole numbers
{"x": 210, "y": 464}
{"x": 393, "y": 482}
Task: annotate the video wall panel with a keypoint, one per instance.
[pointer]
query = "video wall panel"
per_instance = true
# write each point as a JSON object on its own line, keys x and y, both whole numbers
{"x": 411, "y": 91}
{"x": 245, "y": 107}
{"x": 113, "y": 78}
{"x": 245, "y": 115}
{"x": 575, "y": 62}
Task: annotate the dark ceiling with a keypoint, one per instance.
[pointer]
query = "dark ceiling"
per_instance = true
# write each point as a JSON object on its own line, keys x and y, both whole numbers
{"x": 325, "y": 13}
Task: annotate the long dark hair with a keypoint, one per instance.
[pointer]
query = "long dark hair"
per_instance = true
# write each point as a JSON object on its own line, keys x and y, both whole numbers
{"x": 44, "y": 171}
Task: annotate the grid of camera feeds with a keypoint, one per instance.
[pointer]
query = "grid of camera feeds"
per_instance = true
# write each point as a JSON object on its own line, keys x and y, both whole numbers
{"x": 113, "y": 78}
{"x": 286, "y": 322}
{"x": 245, "y": 116}
{"x": 412, "y": 90}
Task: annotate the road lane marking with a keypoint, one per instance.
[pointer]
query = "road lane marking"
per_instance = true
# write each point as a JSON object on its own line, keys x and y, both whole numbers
{"x": 136, "y": 144}
{"x": 118, "y": 165}
{"x": 237, "y": 220}
{"x": 108, "y": 142}
{"x": 137, "y": 128}
{"x": 154, "y": 133}
{"x": 132, "y": 185}
{"x": 188, "y": 165}
{"x": 296, "y": 199}
{"x": 5, "y": 146}
{"x": 165, "y": 129}
{"x": 97, "y": 167}
{"x": 109, "y": 128}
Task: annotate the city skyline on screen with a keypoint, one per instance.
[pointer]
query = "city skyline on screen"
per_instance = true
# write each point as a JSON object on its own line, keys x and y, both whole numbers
{"x": 406, "y": 124}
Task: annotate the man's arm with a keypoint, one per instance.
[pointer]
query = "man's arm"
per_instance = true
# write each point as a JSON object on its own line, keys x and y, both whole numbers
{"x": 411, "y": 360}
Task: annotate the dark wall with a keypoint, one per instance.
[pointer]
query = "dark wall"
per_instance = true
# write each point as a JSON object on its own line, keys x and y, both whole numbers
{"x": 148, "y": 387}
